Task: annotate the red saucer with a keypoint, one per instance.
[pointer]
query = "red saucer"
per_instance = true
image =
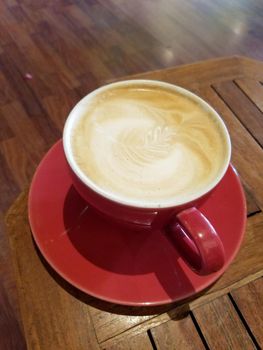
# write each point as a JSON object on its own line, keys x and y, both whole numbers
{"x": 115, "y": 264}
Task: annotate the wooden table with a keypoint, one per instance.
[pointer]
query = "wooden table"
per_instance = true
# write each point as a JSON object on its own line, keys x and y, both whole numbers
{"x": 229, "y": 315}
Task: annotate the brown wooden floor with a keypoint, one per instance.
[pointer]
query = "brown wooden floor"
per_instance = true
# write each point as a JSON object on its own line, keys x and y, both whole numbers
{"x": 70, "y": 47}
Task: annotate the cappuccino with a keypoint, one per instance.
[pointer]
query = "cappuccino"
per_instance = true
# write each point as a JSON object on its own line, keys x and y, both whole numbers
{"x": 148, "y": 143}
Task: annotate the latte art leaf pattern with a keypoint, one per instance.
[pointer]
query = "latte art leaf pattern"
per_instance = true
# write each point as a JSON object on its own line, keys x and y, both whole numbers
{"x": 159, "y": 136}
{"x": 140, "y": 147}
{"x": 149, "y": 144}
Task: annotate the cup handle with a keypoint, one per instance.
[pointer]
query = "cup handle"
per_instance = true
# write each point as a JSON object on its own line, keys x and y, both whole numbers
{"x": 196, "y": 240}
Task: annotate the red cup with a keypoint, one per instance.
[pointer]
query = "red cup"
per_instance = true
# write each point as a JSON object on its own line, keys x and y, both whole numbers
{"x": 185, "y": 226}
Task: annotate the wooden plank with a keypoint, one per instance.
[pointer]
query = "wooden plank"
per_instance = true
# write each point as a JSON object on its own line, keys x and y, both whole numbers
{"x": 18, "y": 161}
{"x": 253, "y": 89}
{"x": 57, "y": 307}
{"x": 55, "y": 61}
{"x": 221, "y": 326}
{"x": 9, "y": 188}
{"x": 252, "y": 206}
{"x": 5, "y": 38}
{"x": 23, "y": 127}
{"x": 58, "y": 107}
{"x": 23, "y": 21}
{"x": 111, "y": 320}
{"x": 88, "y": 83}
{"x": 24, "y": 66}
{"x": 77, "y": 59}
{"x": 31, "y": 104}
{"x": 78, "y": 16}
{"x": 7, "y": 94}
{"x": 11, "y": 3}
{"x": 251, "y": 68}
{"x": 196, "y": 74}
{"x": 7, "y": 272}
{"x": 249, "y": 260}
{"x": 177, "y": 334}
{"x": 122, "y": 58}
{"x": 23, "y": 41}
{"x": 139, "y": 342}
{"x": 5, "y": 14}
{"x": 245, "y": 150}
{"x": 245, "y": 110}
{"x": 19, "y": 85}
{"x": 5, "y": 130}
{"x": 249, "y": 300}
{"x": 11, "y": 336}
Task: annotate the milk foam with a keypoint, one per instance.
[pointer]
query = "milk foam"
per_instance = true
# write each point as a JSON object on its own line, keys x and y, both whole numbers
{"x": 148, "y": 143}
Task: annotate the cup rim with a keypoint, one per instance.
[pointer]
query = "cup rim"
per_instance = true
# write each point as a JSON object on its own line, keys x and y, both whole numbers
{"x": 75, "y": 114}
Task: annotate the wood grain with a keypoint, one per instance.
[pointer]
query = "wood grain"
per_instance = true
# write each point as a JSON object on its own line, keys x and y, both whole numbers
{"x": 252, "y": 69}
{"x": 221, "y": 326}
{"x": 109, "y": 322}
{"x": 11, "y": 335}
{"x": 245, "y": 150}
{"x": 253, "y": 89}
{"x": 19, "y": 85}
{"x": 177, "y": 334}
{"x": 192, "y": 76}
{"x": 64, "y": 76}
{"x": 18, "y": 161}
{"x": 8, "y": 284}
{"x": 58, "y": 107}
{"x": 22, "y": 65}
{"x": 245, "y": 110}
{"x": 5, "y": 130}
{"x": 139, "y": 342}
{"x": 252, "y": 206}
{"x": 6, "y": 93}
{"x": 9, "y": 188}
{"x": 249, "y": 300}
{"x": 72, "y": 46}
{"x": 24, "y": 129}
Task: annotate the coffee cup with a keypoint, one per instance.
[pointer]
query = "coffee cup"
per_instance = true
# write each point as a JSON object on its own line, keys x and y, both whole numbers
{"x": 146, "y": 154}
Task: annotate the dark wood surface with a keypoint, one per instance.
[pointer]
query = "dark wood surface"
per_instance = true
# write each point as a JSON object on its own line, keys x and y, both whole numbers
{"x": 221, "y": 326}
{"x": 219, "y": 317}
{"x": 72, "y": 46}
{"x": 11, "y": 335}
{"x": 249, "y": 300}
{"x": 177, "y": 334}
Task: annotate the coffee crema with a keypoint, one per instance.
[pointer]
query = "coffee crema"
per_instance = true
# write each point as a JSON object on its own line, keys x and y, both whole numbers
{"x": 148, "y": 143}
